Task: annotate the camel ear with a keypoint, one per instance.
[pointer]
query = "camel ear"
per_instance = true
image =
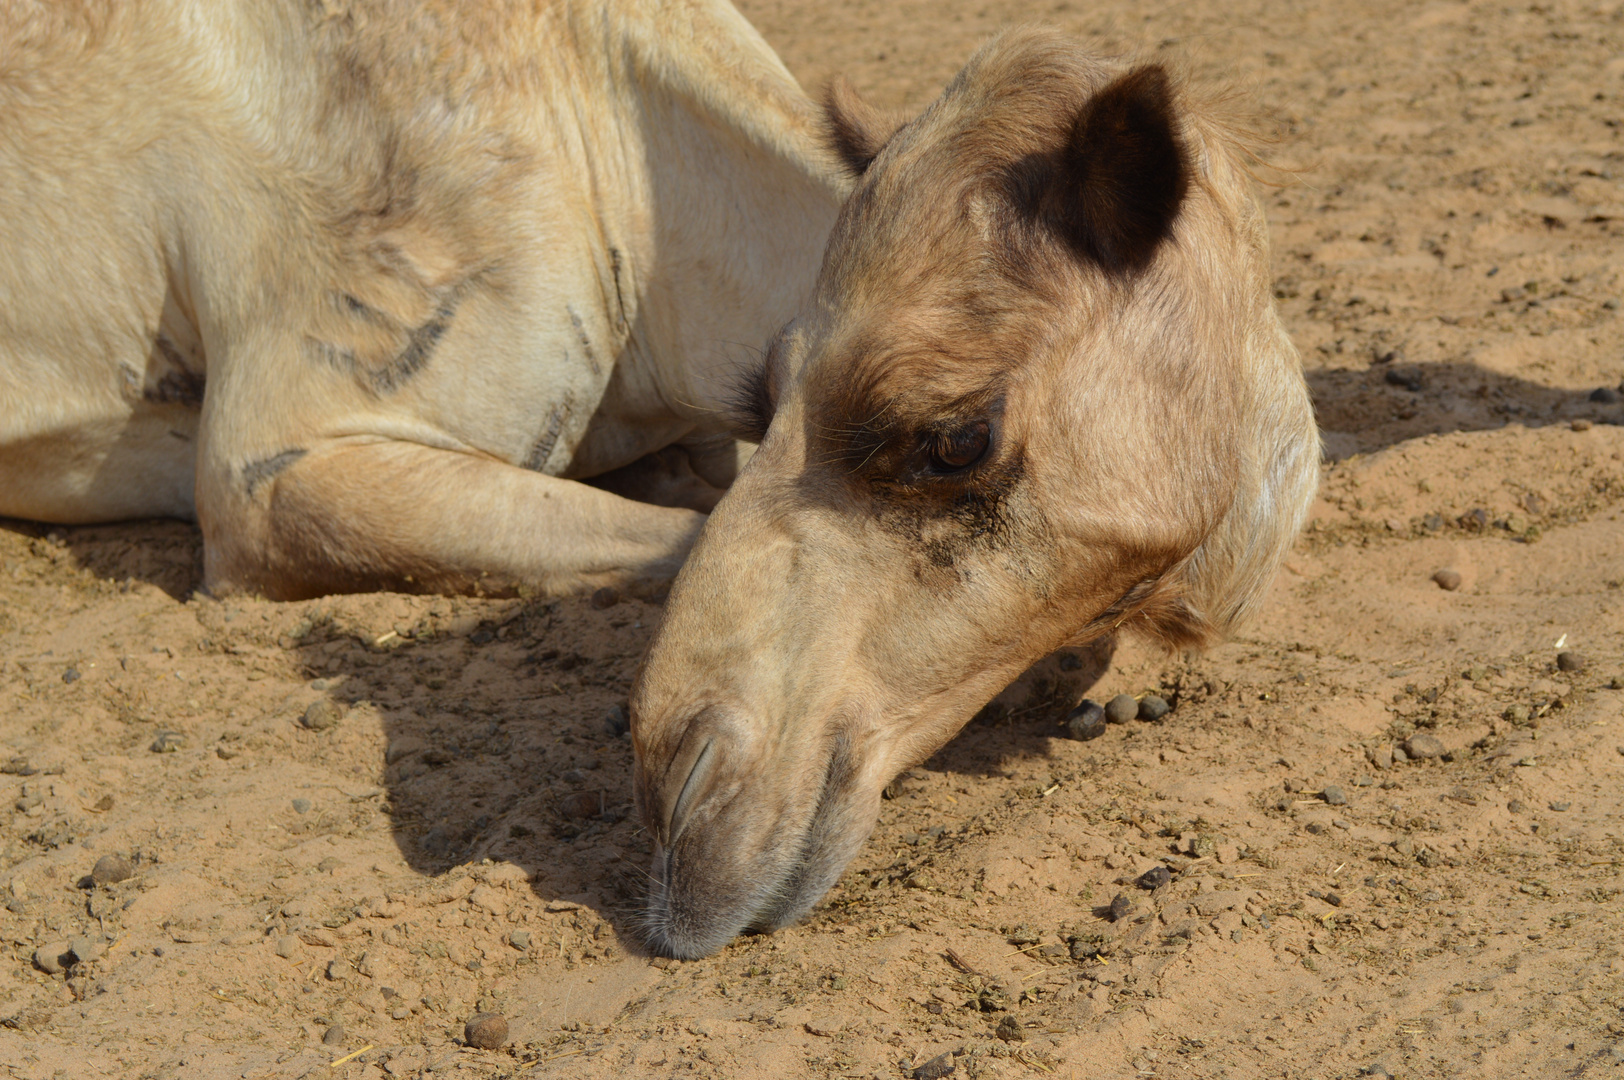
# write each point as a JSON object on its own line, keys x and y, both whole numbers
{"x": 1123, "y": 174}
{"x": 857, "y": 130}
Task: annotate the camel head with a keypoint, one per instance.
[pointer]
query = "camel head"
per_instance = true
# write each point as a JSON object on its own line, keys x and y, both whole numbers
{"x": 1040, "y": 394}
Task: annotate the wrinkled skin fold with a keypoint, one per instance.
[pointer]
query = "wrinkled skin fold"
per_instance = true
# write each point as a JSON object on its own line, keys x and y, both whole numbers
{"x": 1040, "y": 394}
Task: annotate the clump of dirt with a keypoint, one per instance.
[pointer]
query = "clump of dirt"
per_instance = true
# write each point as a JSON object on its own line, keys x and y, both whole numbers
{"x": 344, "y": 829}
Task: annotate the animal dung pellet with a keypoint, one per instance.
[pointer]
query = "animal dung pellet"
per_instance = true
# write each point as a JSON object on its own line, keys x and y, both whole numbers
{"x": 111, "y": 869}
{"x": 486, "y": 1030}
{"x": 1421, "y": 746}
{"x": 1153, "y": 707}
{"x": 322, "y": 715}
{"x": 1121, "y": 709}
{"x": 1086, "y": 721}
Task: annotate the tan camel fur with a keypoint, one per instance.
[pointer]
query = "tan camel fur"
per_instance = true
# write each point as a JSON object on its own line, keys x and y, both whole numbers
{"x": 369, "y": 286}
{"x": 1040, "y": 394}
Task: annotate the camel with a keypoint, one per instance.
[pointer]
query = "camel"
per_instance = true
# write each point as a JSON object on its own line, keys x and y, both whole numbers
{"x": 372, "y": 288}
{"x": 1039, "y": 395}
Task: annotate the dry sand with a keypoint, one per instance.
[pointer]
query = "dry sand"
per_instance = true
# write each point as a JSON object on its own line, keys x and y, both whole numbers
{"x": 461, "y": 840}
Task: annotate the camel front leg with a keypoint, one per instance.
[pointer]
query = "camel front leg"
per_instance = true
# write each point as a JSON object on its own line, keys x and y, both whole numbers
{"x": 363, "y": 515}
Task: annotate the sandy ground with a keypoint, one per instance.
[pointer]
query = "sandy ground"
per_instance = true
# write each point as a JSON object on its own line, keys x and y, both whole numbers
{"x": 461, "y": 840}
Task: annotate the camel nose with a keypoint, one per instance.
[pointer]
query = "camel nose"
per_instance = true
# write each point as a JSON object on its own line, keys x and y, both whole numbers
{"x": 688, "y": 777}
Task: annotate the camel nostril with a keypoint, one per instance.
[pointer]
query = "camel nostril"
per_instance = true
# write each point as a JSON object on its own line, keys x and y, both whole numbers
{"x": 692, "y": 788}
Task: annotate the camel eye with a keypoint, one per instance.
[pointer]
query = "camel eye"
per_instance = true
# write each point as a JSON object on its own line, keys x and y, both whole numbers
{"x": 959, "y": 448}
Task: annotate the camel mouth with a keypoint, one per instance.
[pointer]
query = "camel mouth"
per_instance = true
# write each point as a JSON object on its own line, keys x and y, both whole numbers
{"x": 707, "y": 888}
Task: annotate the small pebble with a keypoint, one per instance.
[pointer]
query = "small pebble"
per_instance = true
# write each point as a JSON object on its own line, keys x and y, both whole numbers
{"x": 1560, "y": 807}
{"x": 937, "y": 1067}
{"x": 581, "y": 804}
{"x": 168, "y": 742}
{"x": 1380, "y": 756}
{"x": 1333, "y": 898}
{"x": 1086, "y": 721}
{"x": 486, "y": 1030}
{"x": 1009, "y": 1029}
{"x": 1155, "y": 877}
{"x": 1422, "y": 746}
{"x": 1315, "y": 827}
{"x": 1516, "y": 806}
{"x": 71, "y": 675}
{"x": 1408, "y": 378}
{"x": 1399, "y": 756}
{"x": 1448, "y": 580}
{"x": 1121, "y": 709}
{"x": 1153, "y": 707}
{"x": 111, "y": 869}
{"x": 1364, "y": 781}
{"x": 617, "y": 721}
{"x": 53, "y": 958}
{"x": 86, "y": 950}
{"x": 322, "y": 715}
{"x": 520, "y": 939}
{"x": 287, "y": 946}
{"x": 606, "y": 597}
{"x": 333, "y": 1036}
{"x": 1334, "y": 795}
{"x": 1604, "y": 395}
{"x": 1568, "y": 660}
{"x": 1580, "y": 425}
{"x": 301, "y": 806}
{"x": 1121, "y": 907}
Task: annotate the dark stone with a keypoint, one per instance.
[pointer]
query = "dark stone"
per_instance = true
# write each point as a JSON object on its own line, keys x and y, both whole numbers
{"x": 1153, "y": 707}
{"x": 1604, "y": 395}
{"x": 1121, "y": 907}
{"x": 1009, "y": 1029}
{"x": 1560, "y": 807}
{"x": 606, "y": 597}
{"x": 333, "y": 1036}
{"x": 71, "y": 675}
{"x": 1086, "y": 721}
{"x": 617, "y": 721}
{"x": 1568, "y": 660}
{"x": 1155, "y": 877}
{"x": 937, "y": 1067}
{"x": 1334, "y": 795}
{"x": 301, "y": 806}
{"x": 1408, "y": 378}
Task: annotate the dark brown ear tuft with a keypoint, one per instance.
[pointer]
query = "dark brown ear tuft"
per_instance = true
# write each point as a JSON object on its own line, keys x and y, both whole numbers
{"x": 857, "y": 130}
{"x": 1123, "y": 174}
